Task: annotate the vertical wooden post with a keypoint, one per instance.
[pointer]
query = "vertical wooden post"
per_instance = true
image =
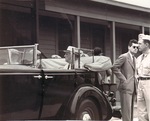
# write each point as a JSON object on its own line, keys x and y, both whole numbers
{"x": 35, "y": 21}
{"x": 142, "y": 29}
{"x": 78, "y": 32}
{"x": 113, "y": 43}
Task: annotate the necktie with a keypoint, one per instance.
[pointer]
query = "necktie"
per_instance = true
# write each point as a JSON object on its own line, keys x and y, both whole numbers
{"x": 143, "y": 57}
{"x": 134, "y": 61}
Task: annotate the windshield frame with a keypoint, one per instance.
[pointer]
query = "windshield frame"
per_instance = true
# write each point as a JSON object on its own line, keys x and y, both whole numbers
{"x": 6, "y": 51}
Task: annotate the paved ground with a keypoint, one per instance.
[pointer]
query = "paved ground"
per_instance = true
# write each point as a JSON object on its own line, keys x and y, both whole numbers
{"x": 135, "y": 115}
{"x": 116, "y": 119}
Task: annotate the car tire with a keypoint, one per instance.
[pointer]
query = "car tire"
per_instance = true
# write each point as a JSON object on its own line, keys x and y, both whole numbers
{"x": 88, "y": 110}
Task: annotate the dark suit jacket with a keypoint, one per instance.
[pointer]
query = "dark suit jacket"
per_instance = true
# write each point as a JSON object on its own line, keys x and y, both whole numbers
{"x": 124, "y": 70}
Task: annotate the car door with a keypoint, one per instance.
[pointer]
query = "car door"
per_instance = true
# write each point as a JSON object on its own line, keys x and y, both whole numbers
{"x": 20, "y": 94}
{"x": 58, "y": 86}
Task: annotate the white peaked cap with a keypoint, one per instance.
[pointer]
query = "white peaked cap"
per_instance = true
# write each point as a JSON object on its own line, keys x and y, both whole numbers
{"x": 143, "y": 36}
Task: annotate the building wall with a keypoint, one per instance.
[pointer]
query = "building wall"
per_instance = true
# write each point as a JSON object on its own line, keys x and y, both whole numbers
{"x": 99, "y": 11}
{"x": 15, "y": 28}
{"x": 47, "y": 36}
{"x": 92, "y": 35}
{"x": 123, "y": 37}
{"x": 56, "y": 33}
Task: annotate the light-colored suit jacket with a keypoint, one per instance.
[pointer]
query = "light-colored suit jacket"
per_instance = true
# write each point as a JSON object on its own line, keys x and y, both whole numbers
{"x": 125, "y": 71}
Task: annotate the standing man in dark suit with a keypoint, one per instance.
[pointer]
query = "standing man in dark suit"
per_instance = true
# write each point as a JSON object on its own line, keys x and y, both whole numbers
{"x": 125, "y": 70}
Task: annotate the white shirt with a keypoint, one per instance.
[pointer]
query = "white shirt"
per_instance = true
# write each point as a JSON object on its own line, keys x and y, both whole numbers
{"x": 143, "y": 65}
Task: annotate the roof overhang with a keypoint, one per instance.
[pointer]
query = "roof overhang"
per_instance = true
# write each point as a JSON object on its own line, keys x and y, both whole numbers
{"x": 123, "y": 5}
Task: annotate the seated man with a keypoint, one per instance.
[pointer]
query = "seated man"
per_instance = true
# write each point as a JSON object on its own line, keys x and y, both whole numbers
{"x": 103, "y": 76}
{"x": 69, "y": 58}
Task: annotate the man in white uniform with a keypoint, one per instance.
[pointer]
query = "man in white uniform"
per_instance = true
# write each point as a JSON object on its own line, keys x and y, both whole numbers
{"x": 143, "y": 67}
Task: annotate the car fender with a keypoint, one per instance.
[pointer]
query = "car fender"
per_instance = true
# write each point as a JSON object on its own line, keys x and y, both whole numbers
{"x": 86, "y": 91}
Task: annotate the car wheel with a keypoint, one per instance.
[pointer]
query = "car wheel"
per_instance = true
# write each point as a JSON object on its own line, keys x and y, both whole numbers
{"x": 88, "y": 110}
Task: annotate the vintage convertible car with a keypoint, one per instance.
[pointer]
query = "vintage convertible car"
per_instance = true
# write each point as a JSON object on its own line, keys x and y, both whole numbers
{"x": 34, "y": 88}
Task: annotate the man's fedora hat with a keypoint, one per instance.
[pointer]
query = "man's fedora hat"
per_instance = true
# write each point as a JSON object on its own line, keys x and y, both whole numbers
{"x": 72, "y": 48}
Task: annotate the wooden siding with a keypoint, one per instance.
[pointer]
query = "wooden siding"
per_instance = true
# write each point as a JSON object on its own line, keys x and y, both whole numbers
{"x": 123, "y": 36}
{"x": 47, "y": 36}
{"x": 92, "y": 35}
{"x": 16, "y": 28}
{"x": 85, "y": 36}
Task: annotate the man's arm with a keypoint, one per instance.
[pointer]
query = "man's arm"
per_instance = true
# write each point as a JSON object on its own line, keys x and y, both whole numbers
{"x": 116, "y": 68}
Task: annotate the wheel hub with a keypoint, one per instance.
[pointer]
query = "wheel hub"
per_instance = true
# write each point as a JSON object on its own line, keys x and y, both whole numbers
{"x": 86, "y": 116}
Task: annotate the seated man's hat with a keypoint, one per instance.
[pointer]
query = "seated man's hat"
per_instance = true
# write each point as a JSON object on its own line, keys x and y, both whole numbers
{"x": 72, "y": 48}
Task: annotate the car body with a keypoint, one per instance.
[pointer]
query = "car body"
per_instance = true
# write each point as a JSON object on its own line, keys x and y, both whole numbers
{"x": 28, "y": 91}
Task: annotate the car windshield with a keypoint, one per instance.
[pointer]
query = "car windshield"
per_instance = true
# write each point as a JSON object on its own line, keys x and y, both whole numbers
{"x": 17, "y": 55}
